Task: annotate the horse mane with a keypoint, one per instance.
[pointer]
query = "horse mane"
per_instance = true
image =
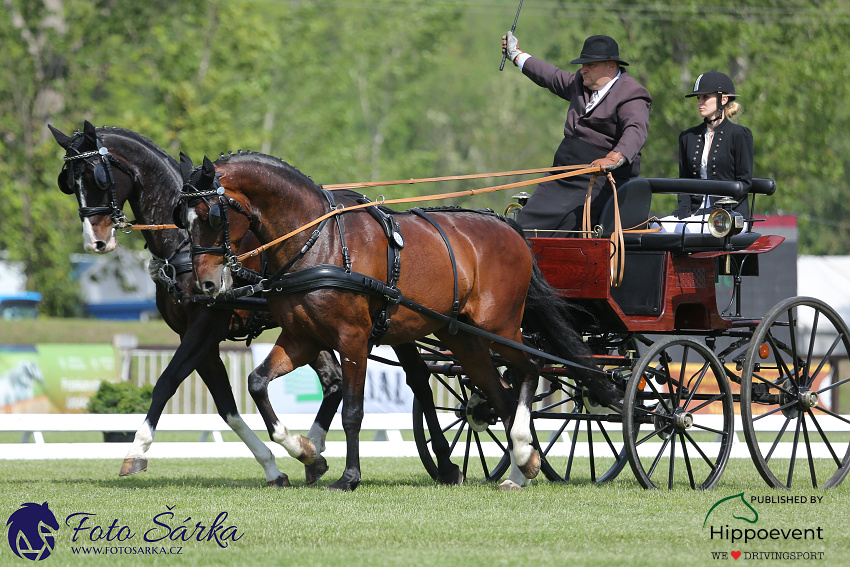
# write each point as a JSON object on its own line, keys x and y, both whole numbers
{"x": 292, "y": 173}
{"x": 149, "y": 144}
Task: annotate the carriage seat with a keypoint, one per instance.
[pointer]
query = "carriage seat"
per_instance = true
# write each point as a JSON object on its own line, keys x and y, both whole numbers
{"x": 634, "y": 198}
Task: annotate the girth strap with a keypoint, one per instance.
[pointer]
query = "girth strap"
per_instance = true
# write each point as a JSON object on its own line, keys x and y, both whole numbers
{"x": 455, "y": 301}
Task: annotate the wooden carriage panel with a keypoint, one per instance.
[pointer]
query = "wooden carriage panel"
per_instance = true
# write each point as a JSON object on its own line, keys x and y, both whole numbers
{"x": 578, "y": 267}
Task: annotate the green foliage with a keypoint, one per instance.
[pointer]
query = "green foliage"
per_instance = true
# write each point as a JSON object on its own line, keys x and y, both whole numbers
{"x": 354, "y": 91}
{"x": 121, "y": 397}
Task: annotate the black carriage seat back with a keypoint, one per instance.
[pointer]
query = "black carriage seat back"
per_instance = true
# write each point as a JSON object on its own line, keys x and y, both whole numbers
{"x": 634, "y": 198}
{"x": 690, "y": 243}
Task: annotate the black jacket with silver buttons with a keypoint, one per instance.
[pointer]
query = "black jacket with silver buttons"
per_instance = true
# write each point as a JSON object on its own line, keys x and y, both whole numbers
{"x": 730, "y": 158}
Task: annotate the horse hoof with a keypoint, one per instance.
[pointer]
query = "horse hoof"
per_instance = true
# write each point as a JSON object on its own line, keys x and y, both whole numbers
{"x": 280, "y": 482}
{"x": 532, "y": 466}
{"x": 344, "y": 485}
{"x": 308, "y": 452}
{"x": 133, "y": 465}
{"x": 454, "y": 477}
{"x": 316, "y": 471}
{"x": 509, "y": 485}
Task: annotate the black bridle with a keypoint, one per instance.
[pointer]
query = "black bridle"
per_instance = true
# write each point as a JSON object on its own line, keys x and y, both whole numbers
{"x": 101, "y": 160}
{"x": 217, "y": 219}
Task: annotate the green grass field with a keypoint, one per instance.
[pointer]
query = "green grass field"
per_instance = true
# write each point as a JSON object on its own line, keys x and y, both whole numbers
{"x": 398, "y": 516}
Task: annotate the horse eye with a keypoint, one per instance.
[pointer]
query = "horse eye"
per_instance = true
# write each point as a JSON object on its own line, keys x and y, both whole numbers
{"x": 215, "y": 217}
{"x": 100, "y": 176}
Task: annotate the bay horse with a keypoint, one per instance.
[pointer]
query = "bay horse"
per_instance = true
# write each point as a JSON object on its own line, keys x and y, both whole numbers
{"x": 133, "y": 169}
{"x": 464, "y": 267}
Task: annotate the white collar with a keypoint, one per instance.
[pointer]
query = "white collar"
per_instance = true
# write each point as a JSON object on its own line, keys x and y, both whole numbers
{"x": 602, "y": 92}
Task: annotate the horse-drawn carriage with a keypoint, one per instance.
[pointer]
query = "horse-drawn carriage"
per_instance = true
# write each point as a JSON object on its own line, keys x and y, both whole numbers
{"x": 648, "y": 326}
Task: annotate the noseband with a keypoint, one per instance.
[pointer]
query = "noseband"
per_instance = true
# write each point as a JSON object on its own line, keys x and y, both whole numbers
{"x": 103, "y": 177}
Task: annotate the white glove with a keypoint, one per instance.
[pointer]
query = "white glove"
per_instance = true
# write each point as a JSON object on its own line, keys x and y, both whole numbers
{"x": 509, "y": 46}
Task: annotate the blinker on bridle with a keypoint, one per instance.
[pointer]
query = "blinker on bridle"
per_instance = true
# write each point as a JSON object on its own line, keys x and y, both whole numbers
{"x": 102, "y": 165}
{"x": 216, "y": 218}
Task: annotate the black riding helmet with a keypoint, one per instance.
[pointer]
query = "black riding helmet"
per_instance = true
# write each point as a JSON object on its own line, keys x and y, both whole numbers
{"x": 713, "y": 82}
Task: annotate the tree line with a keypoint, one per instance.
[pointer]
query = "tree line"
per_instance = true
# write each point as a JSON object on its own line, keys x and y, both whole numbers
{"x": 356, "y": 90}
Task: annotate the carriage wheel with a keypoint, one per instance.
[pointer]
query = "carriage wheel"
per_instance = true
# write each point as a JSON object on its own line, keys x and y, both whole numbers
{"x": 679, "y": 400}
{"x": 577, "y": 442}
{"x": 475, "y": 435}
{"x": 789, "y": 430}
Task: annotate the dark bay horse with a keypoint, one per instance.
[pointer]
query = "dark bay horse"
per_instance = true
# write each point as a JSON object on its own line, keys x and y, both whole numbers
{"x": 466, "y": 266}
{"x": 141, "y": 173}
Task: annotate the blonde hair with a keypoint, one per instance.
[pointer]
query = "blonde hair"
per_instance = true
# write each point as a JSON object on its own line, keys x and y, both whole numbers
{"x": 732, "y": 108}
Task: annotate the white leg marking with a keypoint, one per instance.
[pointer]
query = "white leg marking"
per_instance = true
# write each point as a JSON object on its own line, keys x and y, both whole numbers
{"x": 262, "y": 453}
{"x": 521, "y": 435}
{"x": 142, "y": 441}
{"x": 318, "y": 436}
{"x": 289, "y": 441}
{"x": 516, "y": 480}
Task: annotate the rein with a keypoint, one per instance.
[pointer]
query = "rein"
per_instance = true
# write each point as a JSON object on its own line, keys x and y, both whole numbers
{"x": 340, "y": 210}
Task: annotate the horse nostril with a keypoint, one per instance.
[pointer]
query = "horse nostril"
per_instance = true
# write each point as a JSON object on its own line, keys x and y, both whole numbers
{"x": 99, "y": 245}
{"x": 208, "y": 287}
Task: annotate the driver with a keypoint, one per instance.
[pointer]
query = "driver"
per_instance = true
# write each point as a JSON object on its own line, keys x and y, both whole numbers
{"x": 607, "y": 123}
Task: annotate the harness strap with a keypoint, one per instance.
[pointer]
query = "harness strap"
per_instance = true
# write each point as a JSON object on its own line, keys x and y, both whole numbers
{"x": 455, "y": 300}
{"x": 328, "y": 276}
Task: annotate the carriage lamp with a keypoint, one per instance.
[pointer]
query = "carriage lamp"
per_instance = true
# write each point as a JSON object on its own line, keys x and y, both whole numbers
{"x": 723, "y": 222}
{"x": 514, "y": 208}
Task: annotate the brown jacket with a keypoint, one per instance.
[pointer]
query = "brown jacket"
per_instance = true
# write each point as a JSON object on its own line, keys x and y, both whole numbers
{"x": 618, "y": 123}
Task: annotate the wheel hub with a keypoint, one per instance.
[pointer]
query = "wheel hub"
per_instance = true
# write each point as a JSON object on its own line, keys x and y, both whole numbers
{"x": 808, "y": 399}
{"x": 476, "y": 412}
{"x": 682, "y": 420}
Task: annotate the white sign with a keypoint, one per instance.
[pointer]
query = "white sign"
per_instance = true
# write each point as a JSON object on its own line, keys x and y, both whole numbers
{"x": 300, "y": 390}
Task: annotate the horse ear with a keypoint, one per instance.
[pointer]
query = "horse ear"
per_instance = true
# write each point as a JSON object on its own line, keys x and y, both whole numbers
{"x": 186, "y": 166}
{"x": 90, "y": 132}
{"x": 208, "y": 169}
{"x": 62, "y": 139}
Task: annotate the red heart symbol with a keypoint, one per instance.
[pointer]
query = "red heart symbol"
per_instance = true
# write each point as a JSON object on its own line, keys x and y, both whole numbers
{"x": 736, "y": 554}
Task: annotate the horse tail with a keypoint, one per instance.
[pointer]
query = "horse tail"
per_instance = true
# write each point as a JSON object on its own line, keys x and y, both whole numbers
{"x": 549, "y": 319}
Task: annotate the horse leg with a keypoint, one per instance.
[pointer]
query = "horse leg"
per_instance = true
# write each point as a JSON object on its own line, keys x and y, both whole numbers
{"x": 353, "y": 386}
{"x": 214, "y": 375}
{"x": 417, "y": 378}
{"x": 207, "y": 329}
{"x": 330, "y": 375}
{"x": 474, "y": 356}
{"x": 276, "y": 364}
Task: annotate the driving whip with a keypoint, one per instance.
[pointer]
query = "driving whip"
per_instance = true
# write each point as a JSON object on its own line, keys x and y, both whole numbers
{"x": 513, "y": 29}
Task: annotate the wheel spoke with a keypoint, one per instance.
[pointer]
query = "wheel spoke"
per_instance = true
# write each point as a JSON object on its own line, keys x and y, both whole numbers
{"x": 654, "y": 433}
{"x": 833, "y": 414}
{"x": 809, "y": 452}
{"x": 794, "y": 451}
{"x": 831, "y": 386}
{"x": 778, "y": 437}
{"x": 705, "y": 457}
{"x": 702, "y": 373}
{"x": 823, "y": 436}
{"x": 658, "y": 395}
{"x": 573, "y": 442}
{"x": 774, "y": 384}
{"x": 710, "y": 430}
{"x": 467, "y": 446}
{"x": 790, "y": 404}
{"x": 707, "y": 402}
{"x": 672, "y": 462}
{"x": 658, "y": 457}
{"x": 608, "y": 439}
{"x": 496, "y": 439}
{"x": 457, "y": 436}
{"x": 687, "y": 462}
{"x": 554, "y": 438}
{"x": 481, "y": 456}
{"x": 590, "y": 450}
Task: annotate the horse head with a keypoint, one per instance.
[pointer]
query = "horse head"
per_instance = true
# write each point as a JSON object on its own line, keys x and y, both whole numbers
{"x": 218, "y": 220}
{"x": 100, "y": 182}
